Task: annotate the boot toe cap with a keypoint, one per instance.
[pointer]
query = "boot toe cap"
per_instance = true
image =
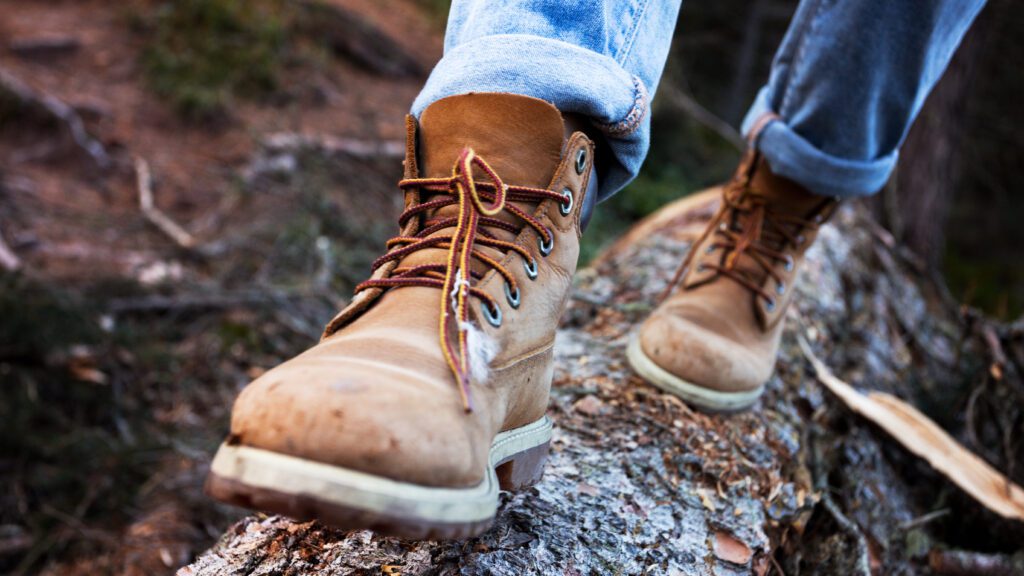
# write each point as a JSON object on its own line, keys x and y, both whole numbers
{"x": 703, "y": 357}
{"x": 376, "y": 419}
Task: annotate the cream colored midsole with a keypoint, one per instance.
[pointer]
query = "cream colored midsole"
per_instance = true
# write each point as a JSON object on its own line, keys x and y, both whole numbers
{"x": 353, "y": 489}
{"x": 702, "y": 397}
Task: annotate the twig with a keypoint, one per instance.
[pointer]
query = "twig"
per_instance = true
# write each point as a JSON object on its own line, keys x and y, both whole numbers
{"x": 169, "y": 227}
{"x": 8, "y": 259}
{"x": 354, "y": 147}
{"x": 925, "y": 518}
{"x": 57, "y": 109}
{"x": 960, "y": 562}
{"x": 704, "y": 117}
{"x": 160, "y": 304}
{"x": 848, "y": 526}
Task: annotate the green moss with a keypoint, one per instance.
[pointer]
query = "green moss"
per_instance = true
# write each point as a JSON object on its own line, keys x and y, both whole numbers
{"x": 201, "y": 54}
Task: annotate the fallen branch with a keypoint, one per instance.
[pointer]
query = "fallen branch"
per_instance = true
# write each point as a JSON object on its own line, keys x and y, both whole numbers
{"x": 56, "y": 109}
{"x": 351, "y": 35}
{"x": 332, "y": 145}
{"x": 163, "y": 223}
{"x": 44, "y": 47}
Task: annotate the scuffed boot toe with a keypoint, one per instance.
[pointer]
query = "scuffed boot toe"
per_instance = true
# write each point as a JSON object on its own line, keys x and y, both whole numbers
{"x": 699, "y": 365}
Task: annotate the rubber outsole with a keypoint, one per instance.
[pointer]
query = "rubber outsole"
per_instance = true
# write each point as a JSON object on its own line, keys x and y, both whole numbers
{"x": 698, "y": 396}
{"x": 349, "y": 499}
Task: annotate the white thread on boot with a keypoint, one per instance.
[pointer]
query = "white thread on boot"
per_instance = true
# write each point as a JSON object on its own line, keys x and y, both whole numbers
{"x": 482, "y": 350}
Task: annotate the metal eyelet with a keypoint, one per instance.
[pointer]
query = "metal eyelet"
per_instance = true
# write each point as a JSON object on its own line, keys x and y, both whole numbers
{"x": 710, "y": 249}
{"x": 546, "y": 249}
{"x": 700, "y": 268}
{"x": 789, "y": 263}
{"x": 581, "y": 160}
{"x": 770, "y": 305}
{"x": 723, "y": 226}
{"x": 493, "y": 315}
{"x": 531, "y": 268}
{"x": 781, "y": 288}
{"x": 566, "y": 207}
{"x": 512, "y": 297}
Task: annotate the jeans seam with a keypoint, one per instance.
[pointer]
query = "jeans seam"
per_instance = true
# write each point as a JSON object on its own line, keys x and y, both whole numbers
{"x": 631, "y": 121}
{"x": 632, "y": 33}
{"x": 794, "y": 79}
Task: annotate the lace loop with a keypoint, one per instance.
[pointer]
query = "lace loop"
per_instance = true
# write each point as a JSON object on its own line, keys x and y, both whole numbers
{"x": 478, "y": 205}
{"x": 741, "y": 202}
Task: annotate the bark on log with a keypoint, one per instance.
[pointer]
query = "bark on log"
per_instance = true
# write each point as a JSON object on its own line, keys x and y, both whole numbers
{"x": 637, "y": 483}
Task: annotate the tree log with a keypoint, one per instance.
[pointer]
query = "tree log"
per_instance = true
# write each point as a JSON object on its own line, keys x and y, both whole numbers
{"x": 638, "y": 483}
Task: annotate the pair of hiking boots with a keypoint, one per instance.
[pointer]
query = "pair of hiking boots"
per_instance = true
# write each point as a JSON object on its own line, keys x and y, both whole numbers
{"x": 427, "y": 394}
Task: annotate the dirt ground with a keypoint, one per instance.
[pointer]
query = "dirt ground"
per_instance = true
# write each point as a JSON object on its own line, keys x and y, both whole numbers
{"x": 75, "y": 220}
{"x": 121, "y": 349}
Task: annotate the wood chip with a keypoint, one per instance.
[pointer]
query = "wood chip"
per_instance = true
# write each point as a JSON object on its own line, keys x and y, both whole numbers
{"x": 728, "y": 548}
{"x": 590, "y": 405}
{"x": 921, "y": 436}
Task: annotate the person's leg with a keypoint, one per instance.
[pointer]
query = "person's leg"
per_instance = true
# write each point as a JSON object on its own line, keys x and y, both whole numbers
{"x": 601, "y": 59}
{"x": 847, "y": 83}
{"x": 845, "y": 86}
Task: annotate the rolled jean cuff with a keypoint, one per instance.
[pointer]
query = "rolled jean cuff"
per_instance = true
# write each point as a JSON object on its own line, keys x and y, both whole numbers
{"x": 792, "y": 156}
{"x": 573, "y": 79}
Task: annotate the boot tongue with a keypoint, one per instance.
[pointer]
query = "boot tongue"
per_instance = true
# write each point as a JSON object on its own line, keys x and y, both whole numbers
{"x": 519, "y": 137}
{"x": 784, "y": 197}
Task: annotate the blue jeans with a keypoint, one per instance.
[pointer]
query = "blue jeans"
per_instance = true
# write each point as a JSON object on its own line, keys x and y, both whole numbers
{"x": 845, "y": 86}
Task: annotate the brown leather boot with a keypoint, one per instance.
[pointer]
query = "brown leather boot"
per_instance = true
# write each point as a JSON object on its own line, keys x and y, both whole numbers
{"x": 428, "y": 393}
{"x": 714, "y": 339}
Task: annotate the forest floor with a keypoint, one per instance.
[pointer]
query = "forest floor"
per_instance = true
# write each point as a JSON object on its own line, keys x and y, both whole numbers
{"x": 122, "y": 346}
{"x": 125, "y": 338}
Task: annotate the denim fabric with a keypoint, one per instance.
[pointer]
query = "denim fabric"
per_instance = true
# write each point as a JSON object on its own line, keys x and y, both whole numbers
{"x": 846, "y": 82}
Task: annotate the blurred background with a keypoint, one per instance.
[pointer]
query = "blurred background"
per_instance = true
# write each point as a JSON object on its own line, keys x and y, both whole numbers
{"x": 190, "y": 189}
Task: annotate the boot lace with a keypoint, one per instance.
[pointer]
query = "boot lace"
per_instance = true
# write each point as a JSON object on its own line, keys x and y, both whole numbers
{"x": 763, "y": 238}
{"x": 479, "y": 202}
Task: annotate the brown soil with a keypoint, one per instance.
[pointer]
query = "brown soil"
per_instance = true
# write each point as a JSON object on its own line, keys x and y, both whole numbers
{"x": 71, "y": 220}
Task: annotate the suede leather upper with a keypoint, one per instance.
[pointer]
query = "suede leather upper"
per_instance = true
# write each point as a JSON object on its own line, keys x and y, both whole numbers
{"x": 376, "y": 395}
{"x": 714, "y": 332}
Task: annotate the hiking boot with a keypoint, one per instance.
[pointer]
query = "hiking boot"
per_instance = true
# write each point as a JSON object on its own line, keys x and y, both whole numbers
{"x": 713, "y": 340}
{"x": 428, "y": 393}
